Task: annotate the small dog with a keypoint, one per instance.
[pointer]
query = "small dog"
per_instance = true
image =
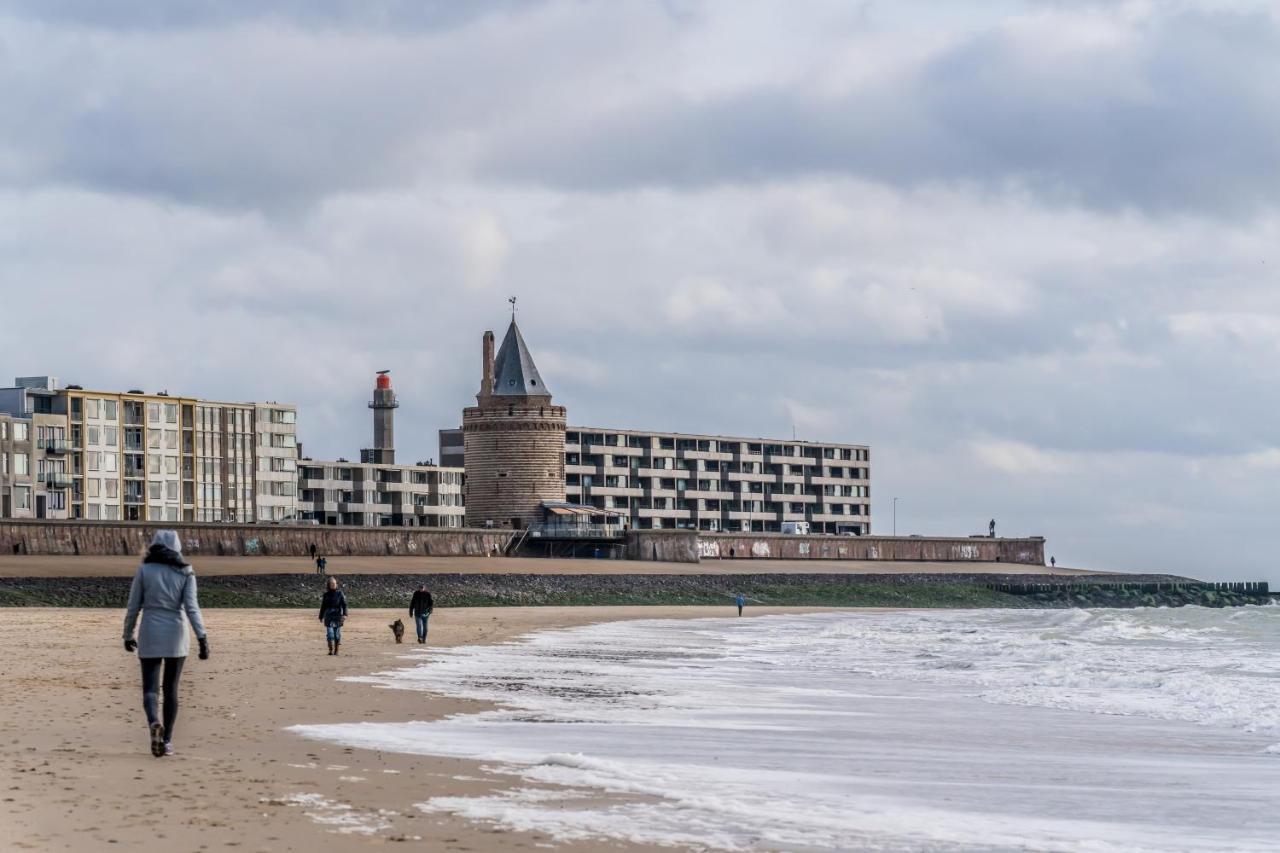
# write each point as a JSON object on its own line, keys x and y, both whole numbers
{"x": 397, "y": 628}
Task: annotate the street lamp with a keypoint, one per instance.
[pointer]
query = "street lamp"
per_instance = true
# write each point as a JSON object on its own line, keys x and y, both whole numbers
{"x": 895, "y": 516}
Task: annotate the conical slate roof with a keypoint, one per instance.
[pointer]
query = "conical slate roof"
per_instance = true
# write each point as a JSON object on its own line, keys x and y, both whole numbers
{"x": 514, "y": 373}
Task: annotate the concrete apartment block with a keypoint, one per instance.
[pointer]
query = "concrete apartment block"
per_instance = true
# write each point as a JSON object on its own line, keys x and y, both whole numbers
{"x": 709, "y": 482}
{"x": 373, "y": 495}
{"x": 132, "y": 456}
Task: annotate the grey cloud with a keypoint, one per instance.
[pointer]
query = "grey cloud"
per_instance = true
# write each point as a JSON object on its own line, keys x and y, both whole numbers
{"x": 141, "y": 15}
{"x": 1182, "y": 119}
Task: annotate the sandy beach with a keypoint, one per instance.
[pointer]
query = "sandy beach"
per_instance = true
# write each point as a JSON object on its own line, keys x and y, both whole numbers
{"x": 78, "y": 774}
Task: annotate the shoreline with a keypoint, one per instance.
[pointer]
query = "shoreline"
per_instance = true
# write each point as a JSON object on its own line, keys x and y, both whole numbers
{"x": 74, "y": 738}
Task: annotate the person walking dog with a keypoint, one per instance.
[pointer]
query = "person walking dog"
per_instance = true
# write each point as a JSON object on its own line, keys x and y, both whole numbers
{"x": 164, "y": 589}
{"x": 420, "y": 607}
{"x": 333, "y": 612}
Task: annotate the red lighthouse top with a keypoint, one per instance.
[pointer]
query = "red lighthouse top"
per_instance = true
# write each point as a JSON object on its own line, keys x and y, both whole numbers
{"x": 384, "y": 381}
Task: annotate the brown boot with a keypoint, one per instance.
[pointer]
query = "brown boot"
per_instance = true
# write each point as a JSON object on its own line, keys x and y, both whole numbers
{"x": 331, "y": 647}
{"x": 336, "y": 646}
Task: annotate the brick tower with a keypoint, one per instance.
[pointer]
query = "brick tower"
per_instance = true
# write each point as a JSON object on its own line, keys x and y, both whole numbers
{"x": 513, "y": 439}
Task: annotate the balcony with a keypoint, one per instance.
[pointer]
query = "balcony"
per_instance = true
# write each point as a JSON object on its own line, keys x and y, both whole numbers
{"x": 55, "y": 446}
{"x": 57, "y": 480}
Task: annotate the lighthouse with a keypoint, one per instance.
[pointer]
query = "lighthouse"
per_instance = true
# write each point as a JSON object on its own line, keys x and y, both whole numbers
{"x": 384, "y": 407}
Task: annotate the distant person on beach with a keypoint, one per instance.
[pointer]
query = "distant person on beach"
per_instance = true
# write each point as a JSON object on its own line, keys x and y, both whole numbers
{"x": 322, "y": 563}
{"x": 312, "y": 549}
{"x": 333, "y": 612}
{"x": 742, "y": 602}
{"x": 164, "y": 589}
{"x": 1053, "y": 562}
{"x": 420, "y": 607}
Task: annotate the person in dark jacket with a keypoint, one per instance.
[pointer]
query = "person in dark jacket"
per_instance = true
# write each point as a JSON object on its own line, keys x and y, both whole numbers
{"x": 333, "y": 612}
{"x": 420, "y": 607}
{"x": 164, "y": 590}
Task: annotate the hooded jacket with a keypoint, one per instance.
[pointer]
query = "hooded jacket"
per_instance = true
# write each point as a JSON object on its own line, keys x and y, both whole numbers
{"x": 164, "y": 589}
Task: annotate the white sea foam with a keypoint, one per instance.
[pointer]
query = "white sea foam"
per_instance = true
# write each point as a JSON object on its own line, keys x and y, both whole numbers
{"x": 926, "y": 730}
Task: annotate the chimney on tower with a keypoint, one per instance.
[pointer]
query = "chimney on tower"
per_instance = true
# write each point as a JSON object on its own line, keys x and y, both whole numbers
{"x": 486, "y": 380}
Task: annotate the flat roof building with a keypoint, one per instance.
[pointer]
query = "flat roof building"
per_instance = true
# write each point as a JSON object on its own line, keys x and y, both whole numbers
{"x": 133, "y": 456}
{"x": 713, "y": 482}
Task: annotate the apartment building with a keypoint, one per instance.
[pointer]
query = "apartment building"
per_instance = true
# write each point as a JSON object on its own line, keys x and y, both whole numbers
{"x": 379, "y": 495}
{"x": 33, "y": 467}
{"x": 710, "y": 482}
{"x": 133, "y": 456}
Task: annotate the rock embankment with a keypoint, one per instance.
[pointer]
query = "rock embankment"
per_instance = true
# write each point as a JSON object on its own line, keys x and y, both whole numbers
{"x": 815, "y": 590}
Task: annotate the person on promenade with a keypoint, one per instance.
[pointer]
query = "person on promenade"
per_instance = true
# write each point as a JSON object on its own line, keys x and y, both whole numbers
{"x": 420, "y": 607}
{"x": 333, "y": 612}
{"x": 321, "y": 564}
{"x": 164, "y": 589}
{"x": 312, "y": 550}
{"x": 742, "y": 602}
{"x": 1053, "y": 562}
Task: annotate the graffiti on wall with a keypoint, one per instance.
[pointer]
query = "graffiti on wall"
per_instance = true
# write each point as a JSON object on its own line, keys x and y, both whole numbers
{"x": 251, "y": 546}
{"x": 760, "y": 549}
{"x": 708, "y": 549}
{"x": 966, "y": 552}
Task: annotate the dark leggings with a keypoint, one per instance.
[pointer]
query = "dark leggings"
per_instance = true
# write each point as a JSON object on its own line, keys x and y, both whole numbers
{"x": 151, "y": 691}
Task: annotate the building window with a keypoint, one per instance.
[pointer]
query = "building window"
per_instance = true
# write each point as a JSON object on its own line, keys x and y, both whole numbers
{"x": 21, "y": 432}
{"x": 109, "y": 410}
{"x": 22, "y": 497}
{"x": 153, "y": 413}
{"x": 91, "y": 408}
{"x": 171, "y": 413}
{"x": 21, "y": 464}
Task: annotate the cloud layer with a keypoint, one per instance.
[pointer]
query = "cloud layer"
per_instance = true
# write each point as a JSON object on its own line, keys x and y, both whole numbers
{"x": 1024, "y": 250}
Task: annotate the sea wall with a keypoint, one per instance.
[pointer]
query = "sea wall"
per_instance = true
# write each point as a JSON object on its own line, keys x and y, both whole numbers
{"x": 248, "y": 540}
{"x": 778, "y": 546}
{"x": 673, "y": 546}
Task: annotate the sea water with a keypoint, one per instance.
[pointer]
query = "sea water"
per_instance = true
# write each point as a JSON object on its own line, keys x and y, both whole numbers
{"x": 1091, "y": 730}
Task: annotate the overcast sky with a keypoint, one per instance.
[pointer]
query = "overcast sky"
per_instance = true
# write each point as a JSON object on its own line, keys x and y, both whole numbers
{"x": 1026, "y": 251}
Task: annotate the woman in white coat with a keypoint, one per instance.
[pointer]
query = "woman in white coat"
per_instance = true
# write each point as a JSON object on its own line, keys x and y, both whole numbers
{"x": 164, "y": 589}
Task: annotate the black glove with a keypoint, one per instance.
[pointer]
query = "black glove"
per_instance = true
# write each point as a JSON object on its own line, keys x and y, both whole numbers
{"x": 204, "y": 648}
{"x": 130, "y": 645}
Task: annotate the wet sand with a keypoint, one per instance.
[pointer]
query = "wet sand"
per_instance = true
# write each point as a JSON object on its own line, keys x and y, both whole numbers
{"x": 77, "y": 773}
{"x": 54, "y": 566}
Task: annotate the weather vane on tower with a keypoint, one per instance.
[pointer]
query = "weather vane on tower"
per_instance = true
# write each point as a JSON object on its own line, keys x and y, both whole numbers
{"x": 512, "y": 300}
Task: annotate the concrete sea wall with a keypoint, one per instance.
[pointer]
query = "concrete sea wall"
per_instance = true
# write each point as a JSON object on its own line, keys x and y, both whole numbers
{"x": 933, "y": 549}
{"x": 108, "y": 538}
{"x": 673, "y": 546}
{"x": 680, "y": 546}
